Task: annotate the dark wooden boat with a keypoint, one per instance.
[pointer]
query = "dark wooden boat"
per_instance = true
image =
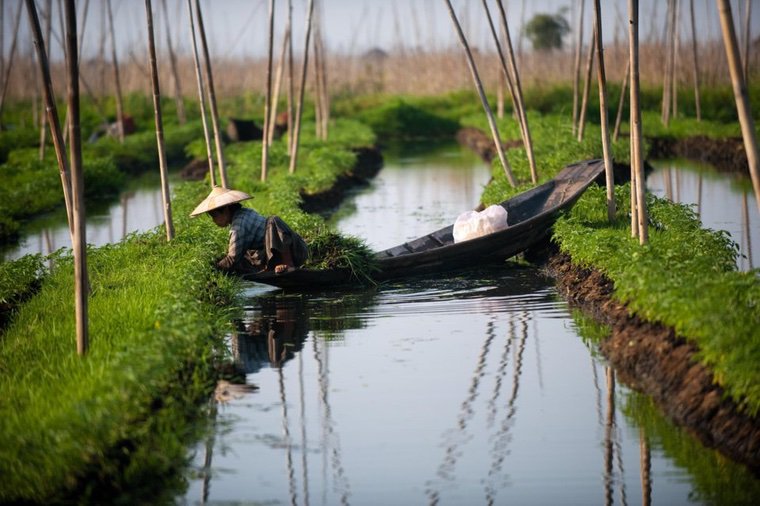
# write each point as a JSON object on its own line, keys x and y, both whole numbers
{"x": 530, "y": 216}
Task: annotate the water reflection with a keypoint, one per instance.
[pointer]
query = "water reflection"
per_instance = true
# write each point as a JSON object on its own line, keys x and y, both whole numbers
{"x": 720, "y": 201}
{"x": 137, "y": 209}
{"x": 467, "y": 388}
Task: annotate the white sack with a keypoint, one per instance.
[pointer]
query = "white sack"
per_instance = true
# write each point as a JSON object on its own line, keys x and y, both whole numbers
{"x": 472, "y": 224}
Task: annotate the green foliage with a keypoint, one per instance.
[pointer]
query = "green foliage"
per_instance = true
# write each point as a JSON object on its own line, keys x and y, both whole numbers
{"x": 545, "y": 31}
{"x": 715, "y": 479}
{"x": 398, "y": 118}
{"x": 15, "y": 139}
{"x": 120, "y": 413}
{"x": 18, "y": 280}
{"x": 684, "y": 277}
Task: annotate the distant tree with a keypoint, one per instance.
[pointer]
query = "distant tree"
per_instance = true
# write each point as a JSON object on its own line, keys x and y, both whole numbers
{"x": 545, "y": 31}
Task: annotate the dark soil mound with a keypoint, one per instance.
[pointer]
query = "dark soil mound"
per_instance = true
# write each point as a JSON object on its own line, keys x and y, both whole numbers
{"x": 651, "y": 358}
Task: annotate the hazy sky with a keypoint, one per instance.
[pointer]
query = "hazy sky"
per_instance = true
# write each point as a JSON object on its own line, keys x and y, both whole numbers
{"x": 239, "y": 27}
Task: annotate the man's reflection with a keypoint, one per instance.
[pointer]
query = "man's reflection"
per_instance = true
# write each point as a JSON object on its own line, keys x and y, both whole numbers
{"x": 273, "y": 337}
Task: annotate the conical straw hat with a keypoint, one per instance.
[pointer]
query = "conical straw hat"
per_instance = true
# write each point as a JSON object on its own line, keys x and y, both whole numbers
{"x": 219, "y": 197}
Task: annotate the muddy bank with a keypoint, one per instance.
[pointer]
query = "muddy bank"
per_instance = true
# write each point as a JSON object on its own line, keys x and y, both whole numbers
{"x": 726, "y": 155}
{"x": 650, "y": 358}
{"x": 369, "y": 161}
{"x": 481, "y": 143}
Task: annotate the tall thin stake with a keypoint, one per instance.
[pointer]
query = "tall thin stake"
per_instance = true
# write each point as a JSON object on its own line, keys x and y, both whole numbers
{"x": 747, "y": 37}
{"x": 117, "y": 80}
{"x": 621, "y": 102}
{"x": 77, "y": 183}
{"x": 268, "y": 100}
{"x": 291, "y": 82}
{"x": 277, "y": 86}
{"x": 586, "y": 87}
{"x": 577, "y": 68}
{"x": 606, "y": 149}
{"x": 636, "y": 148}
{"x": 43, "y": 122}
{"x": 299, "y": 106}
{"x": 169, "y": 224}
{"x": 7, "y": 75}
{"x": 515, "y": 75}
{"x": 52, "y": 111}
{"x": 201, "y": 95}
{"x": 212, "y": 97}
{"x": 178, "y": 100}
{"x": 696, "y": 63}
{"x": 483, "y": 99}
{"x": 740, "y": 94}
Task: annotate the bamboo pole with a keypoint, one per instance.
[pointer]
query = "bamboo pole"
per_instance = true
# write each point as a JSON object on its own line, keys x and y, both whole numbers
{"x": 85, "y": 11}
{"x": 43, "y": 122}
{"x": 51, "y": 110}
{"x": 483, "y": 99}
{"x": 212, "y": 97}
{"x": 201, "y": 95}
{"x": 586, "y": 88}
{"x": 2, "y": 39}
{"x": 77, "y": 183}
{"x": 606, "y": 148}
{"x": 324, "y": 91}
{"x": 117, "y": 79}
{"x": 7, "y": 75}
{"x": 577, "y": 68}
{"x": 268, "y": 100}
{"x": 291, "y": 82}
{"x": 318, "y": 108}
{"x": 178, "y": 100}
{"x": 621, "y": 102}
{"x": 299, "y": 105}
{"x": 676, "y": 54}
{"x": 518, "y": 97}
{"x": 166, "y": 199}
{"x": 277, "y": 86}
{"x": 740, "y": 94}
{"x": 697, "y": 101}
{"x": 636, "y": 147}
{"x": 747, "y": 37}
{"x": 513, "y": 80}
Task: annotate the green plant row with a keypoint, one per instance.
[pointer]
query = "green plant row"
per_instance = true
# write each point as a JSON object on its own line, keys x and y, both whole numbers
{"x": 123, "y": 413}
{"x": 32, "y": 186}
{"x": 154, "y": 318}
{"x": 685, "y": 277}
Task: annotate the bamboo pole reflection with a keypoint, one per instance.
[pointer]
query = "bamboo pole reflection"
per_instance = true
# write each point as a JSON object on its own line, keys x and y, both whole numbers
{"x": 608, "y": 431}
{"x": 503, "y": 437}
{"x": 304, "y": 445}
{"x": 645, "y": 464}
{"x": 286, "y": 431}
{"x": 460, "y": 435}
{"x": 668, "y": 184}
{"x": 746, "y": 237}
{"x": 329, "y": 434}
{"x": 209, "y": 452}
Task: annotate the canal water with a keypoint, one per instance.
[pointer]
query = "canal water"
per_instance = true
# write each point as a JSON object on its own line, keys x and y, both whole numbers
{"x": 474, "y": 387}
{"x": 721, "y": 201}
{"x": 139, "y": 208}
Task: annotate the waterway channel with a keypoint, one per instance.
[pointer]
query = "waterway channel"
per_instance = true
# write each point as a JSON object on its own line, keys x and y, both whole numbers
{"x": 477, "y": 387}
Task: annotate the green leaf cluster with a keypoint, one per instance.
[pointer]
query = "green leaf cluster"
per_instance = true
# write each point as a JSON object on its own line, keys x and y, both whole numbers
{"x": 684, "y": 278}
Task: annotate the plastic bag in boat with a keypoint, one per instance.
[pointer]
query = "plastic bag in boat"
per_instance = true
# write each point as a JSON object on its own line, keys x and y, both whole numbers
{"x": 472, "y": 224}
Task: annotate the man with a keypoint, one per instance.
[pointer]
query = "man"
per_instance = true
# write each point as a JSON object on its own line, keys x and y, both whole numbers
{"x": 256, "y": 243}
